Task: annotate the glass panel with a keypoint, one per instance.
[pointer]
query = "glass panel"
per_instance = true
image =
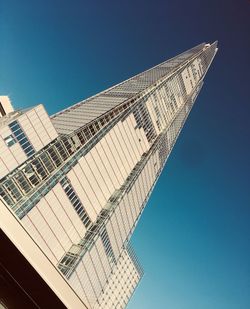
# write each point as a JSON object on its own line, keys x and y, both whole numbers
{"x": 21, "y": 137}
{"x": 23, "y": 182}
{"x": 39, "y": 168}
{"x": 7, "y": 198}
{"x": 62, "y": 151}
{"x": 47, "y": 162}
{"x": 75, "y": 201}
{"x": 54, "y": 156}
{"x": 31, "y": 175}
{"x": 13, "y": 190}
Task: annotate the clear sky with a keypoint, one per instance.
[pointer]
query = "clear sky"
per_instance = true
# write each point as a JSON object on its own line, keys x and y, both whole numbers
{"x": 194, "y": 236}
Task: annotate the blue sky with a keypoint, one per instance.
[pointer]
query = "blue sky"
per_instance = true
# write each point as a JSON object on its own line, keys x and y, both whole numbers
{"x": 194, "y": 236}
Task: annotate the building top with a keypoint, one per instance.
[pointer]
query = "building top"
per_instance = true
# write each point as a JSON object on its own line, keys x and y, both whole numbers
{"x": 78, "y": 115}
{"x": 5, "y": 106}
{"x": 6, "y": 119}
{"x": 7, "y": 112}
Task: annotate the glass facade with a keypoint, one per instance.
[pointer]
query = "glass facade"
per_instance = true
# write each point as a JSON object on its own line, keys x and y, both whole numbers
{"x": 82, "y": 194}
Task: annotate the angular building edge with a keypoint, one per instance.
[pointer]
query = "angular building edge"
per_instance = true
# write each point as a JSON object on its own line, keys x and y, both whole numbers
{"x": 73, "y": 186}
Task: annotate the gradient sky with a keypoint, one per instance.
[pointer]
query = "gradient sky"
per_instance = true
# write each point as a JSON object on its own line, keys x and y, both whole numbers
{"x": 194, "y": 236}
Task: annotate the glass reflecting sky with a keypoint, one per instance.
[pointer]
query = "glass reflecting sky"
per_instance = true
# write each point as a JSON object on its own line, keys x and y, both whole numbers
{"x": 193, "y": 238}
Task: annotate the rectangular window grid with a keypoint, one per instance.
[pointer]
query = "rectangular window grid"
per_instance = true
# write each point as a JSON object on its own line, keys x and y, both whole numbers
{"x": 21, "y": 138}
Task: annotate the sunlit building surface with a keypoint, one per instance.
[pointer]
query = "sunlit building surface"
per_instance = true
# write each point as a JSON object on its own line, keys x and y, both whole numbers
{"x": 73, "y": 186}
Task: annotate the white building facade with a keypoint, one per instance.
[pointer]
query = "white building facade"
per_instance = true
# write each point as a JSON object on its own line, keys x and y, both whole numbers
{"x": 73, "y": 186}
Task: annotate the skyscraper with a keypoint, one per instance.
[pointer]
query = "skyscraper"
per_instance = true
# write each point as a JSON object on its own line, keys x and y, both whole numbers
{"x": 73, "y": 186}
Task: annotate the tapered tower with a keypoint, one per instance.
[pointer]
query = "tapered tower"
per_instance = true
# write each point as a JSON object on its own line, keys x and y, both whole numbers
{"x": 74, "y": 185}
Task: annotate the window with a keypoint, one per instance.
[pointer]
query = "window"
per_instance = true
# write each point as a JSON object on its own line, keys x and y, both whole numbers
{"x": 10, "y": 140}
{"x": 7, "y": 198}
{"x": 47, "y": 162}
{"x": 23, "y": 182}
{"x": 31, "y": 175}
{"x": 75, "y": 201}
{"x": 67, "y": 262}
{"x": 21, "y": 138}
{"x": 107, "y": 246}
{"x": 10, "y": 188}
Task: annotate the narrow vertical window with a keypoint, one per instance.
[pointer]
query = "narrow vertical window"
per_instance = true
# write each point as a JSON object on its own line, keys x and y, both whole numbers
{"x": 75, "y": 201}
{"x": 21, "y": 138}
{"x": 107, "y": 246}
